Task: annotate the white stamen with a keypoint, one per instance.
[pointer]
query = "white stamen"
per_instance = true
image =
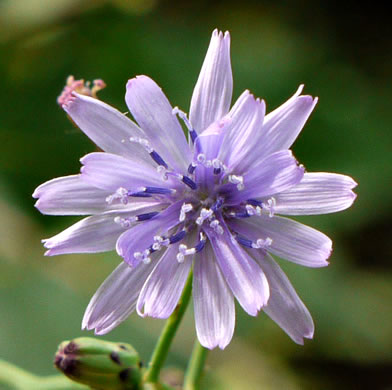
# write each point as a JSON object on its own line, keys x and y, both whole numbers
{"x": 121, "y": 194}
{"x": 215, "y": 225}
{"x": 182, "y": 115}
{"x": 251, "y": 210}
{"x": 216, "y": 163}
{"x": 239, "y": 180}
{"x": 125, "y": 222}
{"x": 262, "y": 244}
{"x": 159, "y": 242}
{"x": 146, "y": 260}
{"x": 185, "y": 208}
{"x": 143, "y": 142}
{"x": 270, "y": 206}
{"x": 184, "y": 251}
{"x": 138, "y": 255}
{"x": 162, "y": 171}
{"x": 201, "y": 158}
{"x": 204, "y": 214}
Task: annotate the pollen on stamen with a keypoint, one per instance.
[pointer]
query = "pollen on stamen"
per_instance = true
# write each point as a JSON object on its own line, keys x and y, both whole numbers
{"x": 184, "y": 251}
{"x": 215, "y": 225}
{"x": 262, "y": 244}
{"x": 185, "y": 208}
{"x": 270, "y": 206}
{"x": 238, "y": 180}
{"x": 204, "y": 214}
{"x": 124, "y": 222}
{"x": 121, "y": 195}
{"x": 251, "y": 210}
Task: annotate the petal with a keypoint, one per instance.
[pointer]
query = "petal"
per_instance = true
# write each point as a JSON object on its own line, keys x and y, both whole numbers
{"x": 110, "y": 172}
{"x": 213, "y": 302}
{"x": 97, "y": 233}
{"x": 141, "y": 237}
{"x": 212, "y": 94}
{"x": 282, "y": 126}
{"x": 163, "y": 288}
{"x": 284, "y": 305}
{"x": 208, "y": 143}
{"x": 317, "y": 193}
{"x": 244, "y": 277}
{"x": 69, "y": 195}
{"x": 243, "y": 135}
{"x": 116, "y": 298}
{"x": 291, "y": 240}
{"x": 106, "y": 127}
{"x": 276, "y": 173}
{"x": 153, "y": 112}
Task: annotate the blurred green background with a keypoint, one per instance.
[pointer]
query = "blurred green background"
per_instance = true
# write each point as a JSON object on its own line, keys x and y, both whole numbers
{"x": 341, "y": 51}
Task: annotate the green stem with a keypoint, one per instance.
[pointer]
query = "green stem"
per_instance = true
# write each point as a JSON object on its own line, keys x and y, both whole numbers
{"x": 195, "y": 367}
{"x": 18, "y": 379}
{"x": 162, "y": 348}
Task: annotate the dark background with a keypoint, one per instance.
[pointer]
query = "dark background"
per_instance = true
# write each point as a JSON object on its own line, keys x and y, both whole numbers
{"x": 341, "y": 51}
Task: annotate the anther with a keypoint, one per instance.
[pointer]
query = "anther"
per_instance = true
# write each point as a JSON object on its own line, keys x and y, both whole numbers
{"x": 139, "y": 194}
{"x": 254, "y": 202}
{"x": 158, "y": 159}
{"x": 146, "y": 216}
{"x": 191, "y": 168}
{"x": 244, "y": 241}
{"x": 189, "y": 182}
{"x": 240, "y": 214}
{"x": 202, "y": 242}
{"x": 177, "y": 237}
{"x": 159, "y": 191}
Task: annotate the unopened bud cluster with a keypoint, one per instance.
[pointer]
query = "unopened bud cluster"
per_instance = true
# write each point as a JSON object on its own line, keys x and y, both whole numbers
{"x": 100, "y": 364}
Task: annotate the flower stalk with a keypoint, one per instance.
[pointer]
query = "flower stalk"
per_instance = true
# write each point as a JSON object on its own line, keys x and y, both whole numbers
{"x": 162, "y": 347}
{"x": 195, "y": 367}
{"x": 16, "y": 378}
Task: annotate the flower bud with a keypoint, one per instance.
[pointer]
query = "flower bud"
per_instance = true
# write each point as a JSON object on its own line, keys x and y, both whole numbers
{"x": 99, "y": 364}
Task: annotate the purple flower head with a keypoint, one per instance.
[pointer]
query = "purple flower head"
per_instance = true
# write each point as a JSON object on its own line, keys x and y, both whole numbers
{"x": 212, "y": 202}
